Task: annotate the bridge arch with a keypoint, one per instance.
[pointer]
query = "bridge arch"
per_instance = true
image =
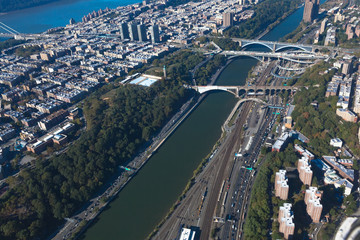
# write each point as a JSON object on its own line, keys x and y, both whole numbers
{"x": 218, "y": 89}
{"x": 291, "y": 46}
{"x": 257, "y": 43}
{"x": 260, "y": 91}
{"x": 254, "y": 100}
{"x": 251, "y": 92}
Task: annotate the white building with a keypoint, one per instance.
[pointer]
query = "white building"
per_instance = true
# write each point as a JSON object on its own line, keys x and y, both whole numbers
{"x": 187, "y": 234}
{"x": 336, "y": 142}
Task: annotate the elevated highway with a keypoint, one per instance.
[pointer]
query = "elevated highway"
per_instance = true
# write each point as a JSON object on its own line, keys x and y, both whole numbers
{"x": 294, "y": 57}
{"x": 27, "y": 36}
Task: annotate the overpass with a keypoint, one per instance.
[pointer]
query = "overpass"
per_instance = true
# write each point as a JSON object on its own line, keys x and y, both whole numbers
{"x": 27, "y": 36}
{"x": 249, "y": 90}
{"x": 294, "y": 57}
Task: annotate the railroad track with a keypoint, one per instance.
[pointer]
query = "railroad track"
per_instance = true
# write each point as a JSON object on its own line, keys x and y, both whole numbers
{"x": 227, "y": 156}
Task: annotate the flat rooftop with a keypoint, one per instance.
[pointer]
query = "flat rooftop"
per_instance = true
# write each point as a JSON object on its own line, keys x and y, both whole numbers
{"x": 145, "y": 80}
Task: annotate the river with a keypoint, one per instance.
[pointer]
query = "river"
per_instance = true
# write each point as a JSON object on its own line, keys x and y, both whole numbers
{"x": 39, "y": 19}
{"x": 147, "y": 198}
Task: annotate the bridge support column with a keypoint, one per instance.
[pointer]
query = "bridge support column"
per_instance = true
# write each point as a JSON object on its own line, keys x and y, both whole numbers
{"x": 237, "y": 92}
{"x": 274, "y": 47}
{"x": 240, "y": 44}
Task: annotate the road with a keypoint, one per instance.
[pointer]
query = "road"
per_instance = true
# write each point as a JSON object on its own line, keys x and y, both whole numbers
{"x": 193, "y": 71}
{"x": 242, "y": 179}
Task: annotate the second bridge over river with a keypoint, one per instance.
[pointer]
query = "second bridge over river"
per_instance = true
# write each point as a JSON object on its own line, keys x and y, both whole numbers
{"x": 249, "y": 90}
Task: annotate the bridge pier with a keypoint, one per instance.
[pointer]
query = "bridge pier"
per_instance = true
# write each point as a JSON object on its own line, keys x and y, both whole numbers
{"x": 274, "y": 47}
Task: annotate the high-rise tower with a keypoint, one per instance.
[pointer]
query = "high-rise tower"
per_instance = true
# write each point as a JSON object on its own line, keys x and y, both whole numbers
{"x": 124, "y": 31}
{"x": 154, "y": 32}
{"x": 133, "y": 32}
{"x": 141, "y": 32}
{"x": 228, "y": 19}
{"x": 311, "y": 10}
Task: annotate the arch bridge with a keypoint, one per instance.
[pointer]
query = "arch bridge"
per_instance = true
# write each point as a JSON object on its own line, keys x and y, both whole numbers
{"x": 273, "y": 46}
{"x": 249, "y": 90}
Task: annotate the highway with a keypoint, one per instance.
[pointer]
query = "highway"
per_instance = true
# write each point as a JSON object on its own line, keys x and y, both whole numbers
{"x": 242, "y": 177}
{"x": 284, "y": 55}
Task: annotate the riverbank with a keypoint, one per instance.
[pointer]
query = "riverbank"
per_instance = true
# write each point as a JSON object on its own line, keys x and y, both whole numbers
{"x": 225, "y": 127}
{"x": 271, "y": 26}
{"x": 122, "y": 180}
{"x": 148, "y": 153}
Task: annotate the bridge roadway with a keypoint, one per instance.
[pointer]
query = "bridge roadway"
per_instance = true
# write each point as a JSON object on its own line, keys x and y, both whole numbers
{"x": 284, "y": 55}
{"x": 27, "y": 36}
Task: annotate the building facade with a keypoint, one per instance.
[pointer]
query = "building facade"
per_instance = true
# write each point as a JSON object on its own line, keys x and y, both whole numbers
{"x": 305, "y": 172}
{"x": 124, "y": 31}
{"x": 313, "y": 205}
{"x": 281, "y": 185}
{"x": 228, "y": 19}
{"x": 323, "y": 25}
{"x": 133, "y": 33}
{"x": 286, "y": 220}
{"x": 154, "y": 32}
{"x": 142, "y": 33}
{"x": 311, "y": 10}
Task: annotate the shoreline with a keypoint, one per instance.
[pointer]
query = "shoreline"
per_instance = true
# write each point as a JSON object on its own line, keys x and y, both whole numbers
{"x": 173, "y": 128}
{"x": 54, "y": 2}
{"x": 112, "y": 5}
{"x": 276, "y": 23}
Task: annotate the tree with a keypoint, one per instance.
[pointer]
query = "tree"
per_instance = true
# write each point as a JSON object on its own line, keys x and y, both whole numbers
{"x": 314, "y": 182}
